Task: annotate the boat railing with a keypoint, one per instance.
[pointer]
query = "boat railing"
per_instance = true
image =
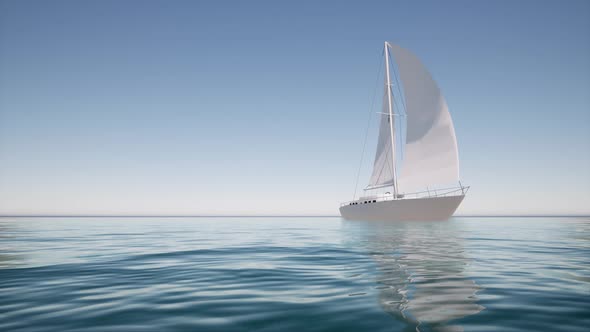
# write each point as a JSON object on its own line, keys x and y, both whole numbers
{"x": 429, "y": 193}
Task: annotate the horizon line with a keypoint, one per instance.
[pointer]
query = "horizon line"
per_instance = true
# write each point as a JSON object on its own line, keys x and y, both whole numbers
{"x": 259, "y": 216}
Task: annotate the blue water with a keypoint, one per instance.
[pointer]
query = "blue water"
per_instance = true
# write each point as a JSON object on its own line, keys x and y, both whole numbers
{"x": 294, "y": 274}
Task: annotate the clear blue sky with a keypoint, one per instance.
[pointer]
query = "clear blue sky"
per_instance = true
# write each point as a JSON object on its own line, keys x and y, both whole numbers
{"x": 259, "y": 107}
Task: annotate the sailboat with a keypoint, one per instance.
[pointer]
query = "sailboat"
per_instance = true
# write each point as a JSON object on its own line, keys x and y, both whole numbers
{"x": 415, "y": 176}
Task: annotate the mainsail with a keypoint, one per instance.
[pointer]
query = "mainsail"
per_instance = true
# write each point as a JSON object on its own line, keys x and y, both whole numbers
{"x": 430, "y": 155}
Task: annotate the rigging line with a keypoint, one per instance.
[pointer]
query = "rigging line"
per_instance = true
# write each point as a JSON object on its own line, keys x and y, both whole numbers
{"x": 403, "y": 102}
{"x": 397, "y": 85}
{"x": 358, "y": 173}
{"x": 399, "y": 137}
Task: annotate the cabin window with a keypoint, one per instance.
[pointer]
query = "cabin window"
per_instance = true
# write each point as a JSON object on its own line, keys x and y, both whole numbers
{"x": 374, "y": 201}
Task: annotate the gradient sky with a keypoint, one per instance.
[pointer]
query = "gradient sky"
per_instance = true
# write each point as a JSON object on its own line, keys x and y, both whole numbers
{"x": 260, "y": 107}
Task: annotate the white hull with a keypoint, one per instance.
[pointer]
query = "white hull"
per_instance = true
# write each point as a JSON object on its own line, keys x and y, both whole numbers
{"x": 415, "y": 209}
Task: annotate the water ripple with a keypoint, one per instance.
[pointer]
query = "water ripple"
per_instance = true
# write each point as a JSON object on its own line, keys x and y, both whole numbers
{"x": 294, "y": 274}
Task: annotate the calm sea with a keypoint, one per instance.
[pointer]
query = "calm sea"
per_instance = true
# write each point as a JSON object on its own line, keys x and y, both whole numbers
{"x": 294, "y": 274}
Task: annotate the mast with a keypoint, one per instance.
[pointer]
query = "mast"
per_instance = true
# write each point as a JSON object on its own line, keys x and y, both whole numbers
{"x": 390, "y": 107}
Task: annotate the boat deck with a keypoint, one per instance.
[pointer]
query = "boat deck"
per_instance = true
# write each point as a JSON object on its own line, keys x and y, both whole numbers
{"x": 443, "y": 192}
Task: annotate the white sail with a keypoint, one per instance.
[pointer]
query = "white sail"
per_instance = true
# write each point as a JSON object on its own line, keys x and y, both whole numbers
{"x": 382, "y": 175}
{"x": 430, "y": 154}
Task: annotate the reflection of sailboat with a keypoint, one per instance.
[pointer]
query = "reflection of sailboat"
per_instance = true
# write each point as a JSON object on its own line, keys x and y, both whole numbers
{"x": 428, "y": 150}
{"x": 421, "y": 273}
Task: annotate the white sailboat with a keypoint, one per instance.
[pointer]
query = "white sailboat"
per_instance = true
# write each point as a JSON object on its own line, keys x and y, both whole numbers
{"x": 411, "y": 172}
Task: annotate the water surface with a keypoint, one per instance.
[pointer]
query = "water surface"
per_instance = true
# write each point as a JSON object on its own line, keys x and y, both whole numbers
{"x": 294, "y": 274}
